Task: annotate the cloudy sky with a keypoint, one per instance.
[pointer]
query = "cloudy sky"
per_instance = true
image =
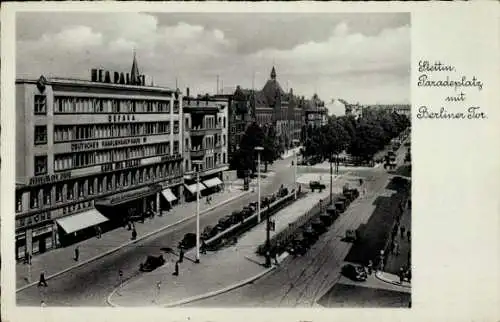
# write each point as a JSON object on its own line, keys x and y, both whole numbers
{"x": 358, "y": 57}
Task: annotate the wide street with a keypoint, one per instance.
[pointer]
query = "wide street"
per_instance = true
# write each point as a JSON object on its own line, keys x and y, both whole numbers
{"x": 89, "y": 284}
{"x": 303, "y": 281}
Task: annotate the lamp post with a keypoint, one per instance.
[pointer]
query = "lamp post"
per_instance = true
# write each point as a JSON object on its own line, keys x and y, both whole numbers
{"x": 198, "y": 164}
{"x": 295, "y": 160}
{"x": 259, "y": 149}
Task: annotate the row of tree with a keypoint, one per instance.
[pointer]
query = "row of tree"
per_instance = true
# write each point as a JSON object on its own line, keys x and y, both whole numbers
{"x": 361, "y": 138}
{"x": 255, "y": 136}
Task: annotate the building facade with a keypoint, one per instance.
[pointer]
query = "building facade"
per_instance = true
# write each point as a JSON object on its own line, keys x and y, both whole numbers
{"x": 206, "y": 142}
{"x": 93, "y": 153}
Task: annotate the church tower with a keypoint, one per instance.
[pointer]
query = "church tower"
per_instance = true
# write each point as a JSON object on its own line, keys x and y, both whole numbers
{"x": 135, "y": 76}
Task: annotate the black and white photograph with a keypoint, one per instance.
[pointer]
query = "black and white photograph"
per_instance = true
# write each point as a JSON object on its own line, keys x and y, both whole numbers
{"x": 213, "y": 160}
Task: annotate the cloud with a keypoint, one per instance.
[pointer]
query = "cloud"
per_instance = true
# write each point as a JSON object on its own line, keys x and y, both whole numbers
{"x": 346, "y": 59}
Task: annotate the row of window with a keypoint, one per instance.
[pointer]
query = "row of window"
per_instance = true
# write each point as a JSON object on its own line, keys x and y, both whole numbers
{"x": 63, "y": 133}
{"x": 105, "y": 105}
{"x": 69, "y": 161}
{"x": 83, "y": 188}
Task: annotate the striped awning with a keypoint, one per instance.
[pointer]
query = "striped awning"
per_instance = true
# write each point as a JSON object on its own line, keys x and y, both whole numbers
{"x": 192, "y": 187}
{"x": 212, "y": 182}
{"x": 80, "y": 221}
{"x": 169, "y": 195}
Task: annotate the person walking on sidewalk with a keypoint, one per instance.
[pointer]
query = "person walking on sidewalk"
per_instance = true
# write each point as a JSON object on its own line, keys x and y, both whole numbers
{"x": 99, "y": 232}
{"x": 370, "y": 267}
{"x": 42, "y": 281}
{"x": 203, "y": 248}
{"x": 176, "y": 269}
{"x": 181, "y": 255}
{"x": 401, "y": 274}
{"x": 134, "y": 234}
{"x": 77, "y": 253}
{"x": 158, "y": 290}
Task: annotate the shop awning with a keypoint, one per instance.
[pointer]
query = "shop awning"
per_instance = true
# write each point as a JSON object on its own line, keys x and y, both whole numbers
{"x": 80, "y": 221}
{"x": 169, "y": 195}
{"x": 212, "y": 182}
{"x": 124, "y": 197}
{"x": 192, "y": 187}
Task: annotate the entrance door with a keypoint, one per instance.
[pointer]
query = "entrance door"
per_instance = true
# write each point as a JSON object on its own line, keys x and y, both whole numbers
{"x": 42, "y": 246}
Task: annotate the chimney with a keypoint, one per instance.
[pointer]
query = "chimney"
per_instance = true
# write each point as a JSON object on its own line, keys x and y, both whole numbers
{"x": 100, "y": 75}
{"x": 116, "y": 77}
{"x": 93, "y": 73}
{"x": 187, "y": 91}
{"x": 107, "y": 77}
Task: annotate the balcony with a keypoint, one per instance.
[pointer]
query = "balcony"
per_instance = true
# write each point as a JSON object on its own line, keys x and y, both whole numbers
{"x": 201, "y": 131}
{"x": 197, "y": 152}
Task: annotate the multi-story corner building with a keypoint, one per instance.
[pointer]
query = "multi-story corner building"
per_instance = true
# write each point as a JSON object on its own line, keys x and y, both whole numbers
{"x": 92, "y": 153}
{"x": 205, "y": 141}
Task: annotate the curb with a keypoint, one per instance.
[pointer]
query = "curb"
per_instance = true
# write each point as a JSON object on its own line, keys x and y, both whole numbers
{"x": 133, "y": 241}
{"x": 203, "y": 296}
{"x": 384, "y": 279}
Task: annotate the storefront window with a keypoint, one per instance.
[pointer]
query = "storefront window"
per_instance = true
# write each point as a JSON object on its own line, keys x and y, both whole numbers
{"x": 81, "y": 189}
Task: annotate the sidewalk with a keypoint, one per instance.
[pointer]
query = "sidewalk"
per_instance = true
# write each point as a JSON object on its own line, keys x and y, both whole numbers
{"x": 225, "y": 269}
{"x": 60, "y": 260}
{"x": 391, "y": 279}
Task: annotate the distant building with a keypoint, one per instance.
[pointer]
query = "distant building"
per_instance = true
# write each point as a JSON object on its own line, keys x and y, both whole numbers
{"x": 315, "y": 112}
{"x": 355, "y": 110}
{"x": 92, "y": 153}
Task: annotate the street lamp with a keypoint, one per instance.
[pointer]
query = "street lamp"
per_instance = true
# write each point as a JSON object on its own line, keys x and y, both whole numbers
{"x": 295, "y": 159}
{"x": 259, "y": 149}
{"x": 198, "y": 164}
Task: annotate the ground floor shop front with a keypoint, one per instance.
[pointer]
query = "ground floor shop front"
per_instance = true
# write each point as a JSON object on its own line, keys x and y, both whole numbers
{"x": 41, "y": 232}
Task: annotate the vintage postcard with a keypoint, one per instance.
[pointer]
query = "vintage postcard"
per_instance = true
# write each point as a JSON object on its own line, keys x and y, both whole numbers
{"x": 278, "y": 160}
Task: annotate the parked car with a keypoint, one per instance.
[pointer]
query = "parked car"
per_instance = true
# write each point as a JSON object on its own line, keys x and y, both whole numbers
{"x": 351, "y": 235}
{"x": 354, "y": 272}
{"x": 326, "y": 219}
{"x": 332, "y": 212}
{"x": 225, "y": 222}
{"x": 189, "y": 241}
{"x": 340, "y": 206}
{"x": 310, "y": 234}
{"x": 298, "y": 246}
{"x": 152, "y": 263}
{"x": 318, "y": 226}
{"x": 208, "y": 232}
{"x": 316, "y": 185}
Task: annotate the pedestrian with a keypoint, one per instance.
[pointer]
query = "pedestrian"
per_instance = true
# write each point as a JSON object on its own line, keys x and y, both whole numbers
{"x": 360, "y": 182}
{"x": 276, "y": 262}
{"x": 370, "y": 267}
{"x": 99, "y": 232}
{"x": 129, "y": 225}
{"x": 134, "y": 234}
{"x": 402, "y": 230}
{"x": 181, "y": 255}
{"x": 42, "y": 281}
{"x": 401, "y": 274}
{"x": 176, "y": 270}
{"x": 77, "y": 253}
{"x": 158, "y": 289}
{"x": 408, "y": 235}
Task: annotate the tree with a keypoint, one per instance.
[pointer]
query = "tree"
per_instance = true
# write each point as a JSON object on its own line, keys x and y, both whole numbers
{"x": 270, "y": 145}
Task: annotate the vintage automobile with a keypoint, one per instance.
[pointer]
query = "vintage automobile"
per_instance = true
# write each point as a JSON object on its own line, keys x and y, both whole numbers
{"x": 332, "y": 212}
{"x": 318, "y": 226}
{"x": 208, "y": 233}
{"x": 225, "y": 222}
{"x": 310, "y": 234}
{"x": 340, "y": 206}
{"x": 326, "y": 219}
{"x": 354, "y": 272}
{"x": 189, "y": 241}
{"x": 351, "y": 235}
{"x": 152, "y": 263}
{"x": 316, "y": 185}
{"x": 298, "y": 246}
